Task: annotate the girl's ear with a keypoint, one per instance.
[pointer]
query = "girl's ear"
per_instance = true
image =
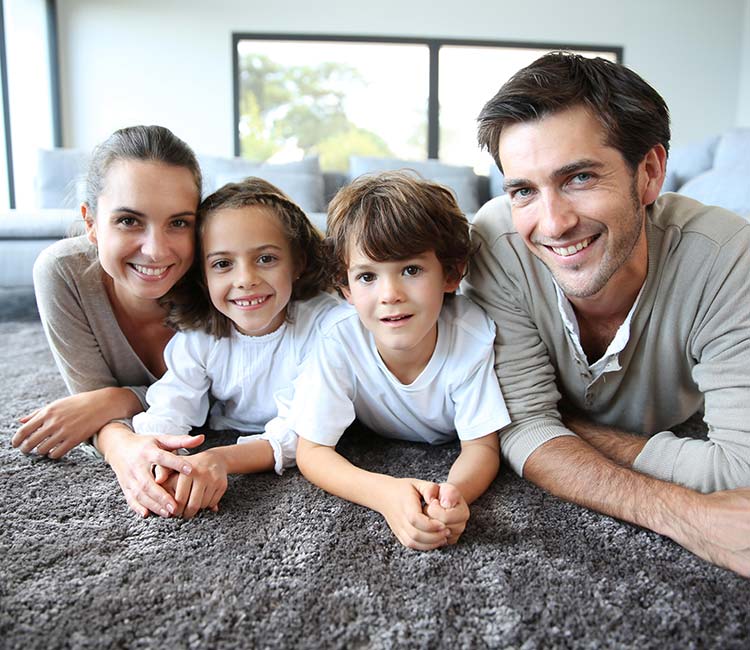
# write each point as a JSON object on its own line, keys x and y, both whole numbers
{"x": 89, "y": 223}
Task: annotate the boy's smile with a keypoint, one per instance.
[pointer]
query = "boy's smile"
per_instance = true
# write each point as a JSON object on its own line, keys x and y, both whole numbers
{"x": 399, "y": 302}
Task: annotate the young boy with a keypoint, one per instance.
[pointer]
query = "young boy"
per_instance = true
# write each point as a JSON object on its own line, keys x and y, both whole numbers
{"x": 409, "y": 359}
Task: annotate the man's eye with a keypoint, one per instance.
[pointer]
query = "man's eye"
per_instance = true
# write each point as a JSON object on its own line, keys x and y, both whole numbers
{"x": 412, "y": 270}
{"x": 583, "y": 177}
{"x": 521, "y": 193}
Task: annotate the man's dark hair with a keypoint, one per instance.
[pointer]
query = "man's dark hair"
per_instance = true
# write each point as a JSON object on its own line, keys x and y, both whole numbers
{"x": 633, "y": 115}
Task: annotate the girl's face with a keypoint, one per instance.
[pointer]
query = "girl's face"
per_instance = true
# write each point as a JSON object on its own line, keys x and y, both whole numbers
{"x": 144, "y": 228}
{"x": 249, "y": 267}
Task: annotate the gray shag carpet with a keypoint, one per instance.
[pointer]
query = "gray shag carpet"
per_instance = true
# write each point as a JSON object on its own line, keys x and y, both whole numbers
{"x": 285, "y": 565}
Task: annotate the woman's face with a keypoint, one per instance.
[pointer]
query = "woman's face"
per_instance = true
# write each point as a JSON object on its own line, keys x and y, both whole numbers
{"x": 144, "y": 226}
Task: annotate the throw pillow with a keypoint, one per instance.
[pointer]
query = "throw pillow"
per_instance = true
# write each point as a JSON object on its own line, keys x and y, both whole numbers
{"x": 60, "y": 178}
{"x": 727, "y": 188}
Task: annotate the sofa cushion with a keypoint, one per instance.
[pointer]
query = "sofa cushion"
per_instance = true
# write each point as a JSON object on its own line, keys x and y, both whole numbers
{"x": 733, "y": 151}
{"x": 305, "y": 189}
{"x": 727, "y": 188}
{"x": 687, "y": 161}
{"x": 301, "y": 180}
{"x": 60, "y": 178}
{"x": 462, "y": 180}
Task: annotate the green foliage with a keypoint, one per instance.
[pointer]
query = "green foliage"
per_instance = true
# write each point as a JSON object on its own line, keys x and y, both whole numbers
{"x": 303, "y": 105}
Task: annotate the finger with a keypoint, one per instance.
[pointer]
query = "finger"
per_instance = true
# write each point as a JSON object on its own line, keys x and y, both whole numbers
{"x": 161, "y": 474}
{"x": 144, "y": 500}
{"x": 137, "y": 508}
{"x": 218, "y": 494}
{"x": 48, "y": 444}
{"x": 62, "y": 448}
{"x": 182, "y": 493}
{"x": 151, "y": 492}
{"x": 178, "y": 442}
{"x": 427, "y": 489}
{"x": 424, "y": 524}
{"x": 23, "y": 436}
{"x": 423, "y": 541}
{"x": 450, "y": 496}
{"x": 25, "y": 418}
{"x": 171, "y": 461}
{"x": 195, "y": 500}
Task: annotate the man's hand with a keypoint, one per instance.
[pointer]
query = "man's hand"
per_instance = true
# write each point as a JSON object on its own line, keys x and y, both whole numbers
{"x": 450, "y": 508}
{"x": 401, "y": 505}
{"x": 718, "y": 529}
{"x": 203, "y": 487}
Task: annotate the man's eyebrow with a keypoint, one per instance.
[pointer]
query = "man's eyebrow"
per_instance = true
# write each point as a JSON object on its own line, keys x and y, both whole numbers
{"x": 565, "y": 170}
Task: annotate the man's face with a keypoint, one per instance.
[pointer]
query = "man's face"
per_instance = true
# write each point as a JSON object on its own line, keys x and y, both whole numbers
{"x": 575, "y": 201}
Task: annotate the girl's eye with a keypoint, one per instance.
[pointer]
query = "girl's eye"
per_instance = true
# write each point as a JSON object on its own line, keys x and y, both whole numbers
{"x": 366, "y": 278}
{"x": 221, "y": 265}
{"x": 267, "y": 259}
{"x": 412, "y": 270}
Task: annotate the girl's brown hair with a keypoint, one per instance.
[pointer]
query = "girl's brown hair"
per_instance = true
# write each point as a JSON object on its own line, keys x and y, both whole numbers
{"x": 189, "y": 304}
{"x": 394, "y": 216}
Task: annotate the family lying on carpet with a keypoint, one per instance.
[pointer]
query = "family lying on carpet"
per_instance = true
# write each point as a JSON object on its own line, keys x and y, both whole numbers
{"x": 599, "y": 308}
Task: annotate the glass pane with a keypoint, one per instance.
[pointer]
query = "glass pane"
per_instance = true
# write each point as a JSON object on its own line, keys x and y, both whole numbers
{"x": 463, "y": 92}
{"x": 332, "y": 99}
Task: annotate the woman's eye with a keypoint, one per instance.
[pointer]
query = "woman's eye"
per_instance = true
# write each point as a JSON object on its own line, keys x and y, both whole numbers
{"x": 412, "y": 270}
{"x": 181, "y": 223}
{"x": 128, "y": 222}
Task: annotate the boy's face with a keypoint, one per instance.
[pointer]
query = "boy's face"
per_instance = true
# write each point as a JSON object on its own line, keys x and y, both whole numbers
{"x": 399, "y": 303}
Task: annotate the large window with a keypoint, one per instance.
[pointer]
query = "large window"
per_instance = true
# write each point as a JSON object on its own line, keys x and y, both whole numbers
{"x": 336, "y": 96}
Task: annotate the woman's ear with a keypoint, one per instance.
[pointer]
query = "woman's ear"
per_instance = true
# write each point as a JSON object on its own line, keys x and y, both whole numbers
{"x": 89, "y": 223}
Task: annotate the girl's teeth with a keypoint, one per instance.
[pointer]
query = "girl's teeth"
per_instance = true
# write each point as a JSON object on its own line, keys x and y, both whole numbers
{"x": 249, "y": 303}
{"x": 148, "y": 270}
{"x": 569, "y": 250}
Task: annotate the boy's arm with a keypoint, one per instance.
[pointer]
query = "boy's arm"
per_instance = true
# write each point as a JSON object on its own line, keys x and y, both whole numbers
{"x": 399, "y": 500}
{"x": 470, "y": 476}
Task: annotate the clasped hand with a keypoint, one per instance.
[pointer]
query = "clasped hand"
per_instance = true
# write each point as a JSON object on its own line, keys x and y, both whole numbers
{"x": 425, "y": 515}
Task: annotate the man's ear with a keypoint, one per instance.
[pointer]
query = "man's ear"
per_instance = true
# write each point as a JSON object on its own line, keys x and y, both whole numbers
{"x": 89, "y": 223}
{"x": 651, "y": 173}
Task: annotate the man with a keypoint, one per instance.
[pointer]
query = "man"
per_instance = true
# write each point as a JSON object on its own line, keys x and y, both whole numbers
{"x": 620, "y": 313}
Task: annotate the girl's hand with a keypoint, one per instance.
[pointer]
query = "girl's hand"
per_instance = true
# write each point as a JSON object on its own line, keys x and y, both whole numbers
{"x": 55, "y": 429}
{"x": 450, "y": 508}
{"x": 204, "y": 486}
{"x": 402, "y": 508}
{"x": 132, "y": 457}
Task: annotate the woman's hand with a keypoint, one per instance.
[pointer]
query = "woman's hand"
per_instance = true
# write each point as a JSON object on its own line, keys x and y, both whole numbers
{"x": 55, "y": 429}
{"x": 132, "y": 457}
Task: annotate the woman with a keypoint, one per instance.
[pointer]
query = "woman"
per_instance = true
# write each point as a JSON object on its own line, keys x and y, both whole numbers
{"x": 99, "y": 301}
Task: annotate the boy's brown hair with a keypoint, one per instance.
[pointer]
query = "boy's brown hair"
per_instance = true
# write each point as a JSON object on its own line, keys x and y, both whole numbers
{"x": 189, "y": 304}
{"x": 394, "y": 216}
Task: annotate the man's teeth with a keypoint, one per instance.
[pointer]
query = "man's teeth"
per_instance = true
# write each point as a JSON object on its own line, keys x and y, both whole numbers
{"x": 150, "y": 270}
{"x": 249, "y": 303}
{"x": 569, "y": 250}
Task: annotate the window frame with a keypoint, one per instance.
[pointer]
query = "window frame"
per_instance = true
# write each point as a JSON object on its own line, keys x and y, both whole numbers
{"x": 433, "y": 45}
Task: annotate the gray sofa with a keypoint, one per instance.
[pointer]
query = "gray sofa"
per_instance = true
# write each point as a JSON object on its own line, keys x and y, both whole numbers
{"x": 715, "y": 171}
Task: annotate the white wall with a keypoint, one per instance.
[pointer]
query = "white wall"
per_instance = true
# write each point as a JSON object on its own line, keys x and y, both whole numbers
{"x": 743, "y": 106}
{"x": 169, "y": 61}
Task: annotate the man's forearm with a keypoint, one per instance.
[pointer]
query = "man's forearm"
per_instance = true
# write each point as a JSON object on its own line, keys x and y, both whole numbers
{"x": 621, "y": 447}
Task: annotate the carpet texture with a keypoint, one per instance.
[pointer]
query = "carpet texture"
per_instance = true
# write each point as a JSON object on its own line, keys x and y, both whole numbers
{"x": 285, "y": 565}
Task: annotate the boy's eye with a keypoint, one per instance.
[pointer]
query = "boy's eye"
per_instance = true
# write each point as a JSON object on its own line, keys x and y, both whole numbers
{"x": 412, "y": 270}
{"x": 365, "y": 278}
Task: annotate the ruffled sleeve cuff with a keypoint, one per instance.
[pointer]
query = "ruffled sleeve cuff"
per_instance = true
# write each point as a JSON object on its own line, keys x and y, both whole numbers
{"x": 284, "y": 445}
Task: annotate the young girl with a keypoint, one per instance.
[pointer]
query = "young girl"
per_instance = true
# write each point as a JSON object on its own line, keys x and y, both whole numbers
{"x": 247, "y": 315}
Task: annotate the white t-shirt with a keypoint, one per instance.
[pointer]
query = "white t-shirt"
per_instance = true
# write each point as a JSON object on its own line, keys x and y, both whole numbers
{"x": 249, "y": 376}
{"x": 457, "y": 393}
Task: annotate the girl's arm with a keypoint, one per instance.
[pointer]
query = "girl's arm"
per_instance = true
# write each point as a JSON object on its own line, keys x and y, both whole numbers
{"x": 399, "y": 500}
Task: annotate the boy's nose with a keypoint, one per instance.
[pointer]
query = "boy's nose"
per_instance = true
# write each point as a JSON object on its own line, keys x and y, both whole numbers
{"x": 390, "y": 291}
